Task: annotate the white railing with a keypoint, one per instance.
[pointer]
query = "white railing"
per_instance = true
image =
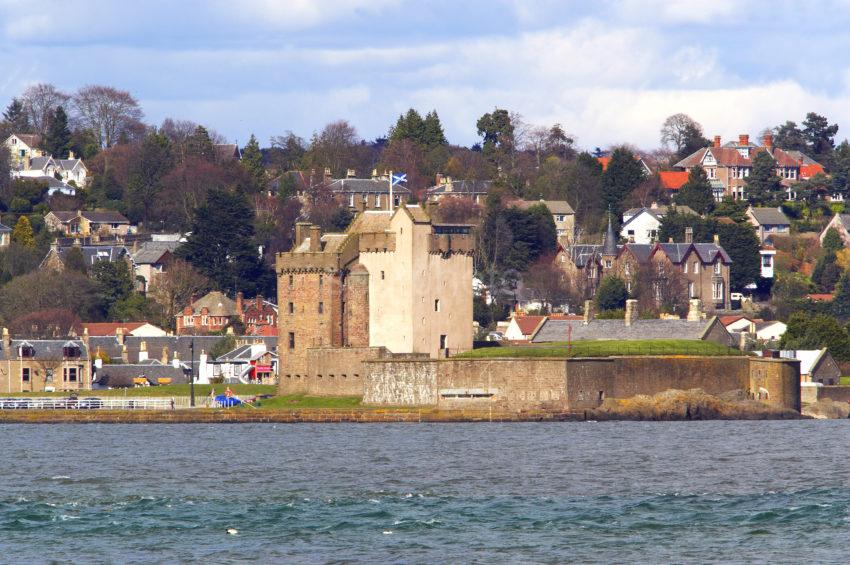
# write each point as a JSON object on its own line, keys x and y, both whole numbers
{"x": 104, "y": 403}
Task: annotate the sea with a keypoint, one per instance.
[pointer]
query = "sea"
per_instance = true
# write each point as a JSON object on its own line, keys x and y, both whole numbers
{"x": 612, "y": 492}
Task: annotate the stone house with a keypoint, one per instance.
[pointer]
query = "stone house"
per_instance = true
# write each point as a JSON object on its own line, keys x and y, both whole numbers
{"x": 841, "y": 224}
{"x": 393, "y": 283}
{"x": 260, "y": 317}
{"x": 85, "y": 223}
{"x": 23, "y": 147}
{"x": 729, "y": 166}
{"x": 446, "y": 187}
{"x": 367, "y": 194}
{"x": 562, "y": 214}
{"x": 816, "y": 365}
{"x": 768, "y": 222}
{"x": 215, "y": 312}
{"x": 57, "y": 254}
{"x": 641, "y": 225}
{"x": 151, "y": 259}
{"x": 37, "y": 365}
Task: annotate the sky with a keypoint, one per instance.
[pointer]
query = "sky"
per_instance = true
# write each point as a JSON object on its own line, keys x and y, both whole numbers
{"x": 608, "y": 71}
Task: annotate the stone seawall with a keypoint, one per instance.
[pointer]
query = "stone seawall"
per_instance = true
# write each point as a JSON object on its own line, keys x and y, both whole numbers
{"x": 573, "y": 384}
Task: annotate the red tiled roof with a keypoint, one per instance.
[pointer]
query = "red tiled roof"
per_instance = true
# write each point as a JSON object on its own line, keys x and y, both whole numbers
{"x": 604, "y": 162}
{"x": 110, "y": 328}
{"x": 726, "y": 320}
{"x": 730, "y": 157}
{"x": 808, "y": 171}
{"x": 266, "y": 331}
{"x": 673, "y": 180}
{"x": 527, "y": 324}
{"x": 820, "y": 297}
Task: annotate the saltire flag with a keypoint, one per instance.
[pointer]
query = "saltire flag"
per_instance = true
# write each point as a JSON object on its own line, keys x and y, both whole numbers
{"x": 398, "y": 178}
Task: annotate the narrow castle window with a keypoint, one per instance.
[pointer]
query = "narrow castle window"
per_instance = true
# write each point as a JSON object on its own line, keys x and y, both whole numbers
{"x": 321, "y": 307}
{"x": 291, "y": 340}
{"x": 291, "y": 307}
{"x": 437, "y": 305}
{"x": 291, "y": 281}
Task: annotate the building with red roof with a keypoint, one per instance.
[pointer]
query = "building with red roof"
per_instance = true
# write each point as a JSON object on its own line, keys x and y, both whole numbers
{"x": 673, "y": 180}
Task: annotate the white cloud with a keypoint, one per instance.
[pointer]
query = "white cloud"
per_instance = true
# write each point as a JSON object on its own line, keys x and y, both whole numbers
{"x": 681, "y": 11}
{"x": 298, "y": 14}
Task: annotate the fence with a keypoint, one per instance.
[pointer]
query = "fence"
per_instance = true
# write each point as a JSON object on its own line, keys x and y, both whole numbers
{"x": 106, "y": 403}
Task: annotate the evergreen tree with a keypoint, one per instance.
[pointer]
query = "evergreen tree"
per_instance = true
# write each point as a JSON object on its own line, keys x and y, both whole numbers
{"x": 252, "y": 161}
{"x": 498, "y": 133}
{"x": 75, "y": 261}
{"x": 16, "y": 116}
{"x": 841, "y": 169}
{"x": 200, "y": 145}
{"x": 832, "y": 241}
{"x": 763, "y": 184}
{"x": 696, "y": 193}
{"x": 789, "y": 137}
{"x": 819, "y": 135}
{"x": 113, "y": 283}
{"x": 409, "y": 126}
{"x": 154, "y": 161}
{"x": 623, "y": 174}
{"x": 841, "y": 300}
{"x": 22, "y": 233}
{"x": 222, "y": 245}
{"x": 611, "y": 294}
{"x": 433, "y": 135}
{"x": 57, "y": 141}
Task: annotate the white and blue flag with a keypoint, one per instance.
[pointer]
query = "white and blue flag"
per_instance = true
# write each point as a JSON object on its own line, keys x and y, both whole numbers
{"x": 398, "y": 178}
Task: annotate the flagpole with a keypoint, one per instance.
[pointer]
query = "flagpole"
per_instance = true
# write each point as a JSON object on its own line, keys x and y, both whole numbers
{"x": 390, "y": 203}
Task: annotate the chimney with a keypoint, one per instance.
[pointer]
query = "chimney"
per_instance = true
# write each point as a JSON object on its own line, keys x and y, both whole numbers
{"x": 315, "y": 239}
{"x": 588, "y": 311}
{"x": 164, "y": 357}
{"x": 653, "y": 206}
{"x": 239, "y": 297}
{"x": 301, "y": 232}
{"x": 717, "y": 141}
{"x": 374, "y": 173}
{"x": 71, "y": 155}
{"x": 125, "y": 356}
{"x": 439, "y": 179}
{"x": 716, "y": 239}
{"x": 175, "y": 362}
{"x": 203, "y": 366}
{"x": 259, "y": 302}
{"x": 689, "y": 234}
{"x": 119, "y": 335}
{"x": 86, "y": 337}
{"x": 350, "y": 173}
{"x": 98, "y": 360}
{"x": 694, "y": 310}
{"x": 143, "y": 351}
{"x": 327, "y": 172}
{"x": 743, "y": 340}
{"x": 7, "y": 340}
{"x": 767, "y": 140}
{"x": 631, "y": 311}
{"x": 744, "y": 139}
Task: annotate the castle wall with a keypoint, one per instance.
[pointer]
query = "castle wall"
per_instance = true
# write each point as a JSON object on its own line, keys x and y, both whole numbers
{"x": 338, "y": 371}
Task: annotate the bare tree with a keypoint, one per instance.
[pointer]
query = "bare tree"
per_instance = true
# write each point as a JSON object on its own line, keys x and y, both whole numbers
{"x": 108, "y": 112}
{"x": 677, "y": 130}
{"x": 548, "y": 283}
{"x": 176, "y": 287}
{"x": 39, "y": 101}
{"x": 537, "y": 141}
{"x": 333, "y": 147}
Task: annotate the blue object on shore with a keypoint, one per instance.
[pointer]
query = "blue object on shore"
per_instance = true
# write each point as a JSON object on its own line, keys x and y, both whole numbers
{"x": 225, "y": 402}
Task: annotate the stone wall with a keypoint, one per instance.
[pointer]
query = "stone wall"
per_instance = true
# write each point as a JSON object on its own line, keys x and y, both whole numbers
{"x": 836, "y": 393}
{"x": 331, "y": 371}
{"x": 572, "y": 384}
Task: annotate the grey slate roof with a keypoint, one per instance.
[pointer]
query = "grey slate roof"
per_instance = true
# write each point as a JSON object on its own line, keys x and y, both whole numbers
{"x": 360, "y": 186}
{"x": 94, "y": 253}
{"x": 122, "y": 375}
{"x": 465, "y": 187}
{"x": 708, "y": 252}
{"x": 558, "y": 330}
{"x": 609, "y": 244}
{"x": 5, "y": 229}
{"x": 182, "y": 344}
{"x": 40, "y": 162}
{"x": 150, "y": 252}
{"x": 105, "y": 217}
{"x": 45, "y": 349}
{"x": 581, "y": 254}
{"x": 241, "y": 354}
{"x": 770, "y": 217}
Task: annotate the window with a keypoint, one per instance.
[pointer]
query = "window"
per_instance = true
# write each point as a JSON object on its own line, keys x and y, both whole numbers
{"x": 686, "y": 268}
{"x": 25, "y": 374}
{"x": 627, "y": 269}
{"x": 711, "y": 173}
{"x": 692, "y": 290}
{"x": 291, "y": 340}
{"x": 321, "y": 281}
{"x": 382, "y": 275}
{"x": 696, "y": 267}
{"x": 377, "y": 201}
{"x": 608, "y": 263}
{"x": 69, "y": 374}
{"x": 71, "y": 351}
{"x": 321, "y": 307}
{"x": 27, "y": 351}
{"x": 717, "y": 268}
{"x": 437, "y": 305}
{"x": 630, "y": 232}
{"x": 204, "y": 320}
{"x": 351, "y": 200}
{"x": 766, "y": 260}
{"x": 291, "y": 307}
{"x": 444, "y": 341}
{"x": 291, "y": 281}
{"x": 560, "y": 218}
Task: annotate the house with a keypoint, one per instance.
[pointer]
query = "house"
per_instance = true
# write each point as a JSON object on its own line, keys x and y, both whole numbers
{"x": 562, "y": 214}
{"x": 225, "y": 152}
{"x": 215, "y": 312}
{"x": 767, "y": 254}
{"x": 607, "y": 159}
{"x": 632, "y": 328}
{"x": 731, "y": 164}
{"x": 816, "y": 365}
{"x": 57, "y": 254}
{"x": 367, "y": 194}
{"x": 151, "y": 259}
{"x": 247, "y": 363}
{"x": 137, "y": 329}
{"x": 841, "y": 224}
{"x": 5, "y": 236}
{"x": 38, "y": 167}
{"x": 768, "y": 222}
{"x": 73, "y": 170}
{"x": 393, "y": 283}
{"x": 121, "y": 375}
{"x": 475, "y": 190}
{"x": 672, "y": 181}
{"x": 85, "y": 223}
{"x": 38, "y": 365}
{"x": 521, "y": 328}
{"x": 641, "y": 225}
{"x": 260, "y": 317}
{"x": 23, "y": 147}
{"x": 763, "y": 331}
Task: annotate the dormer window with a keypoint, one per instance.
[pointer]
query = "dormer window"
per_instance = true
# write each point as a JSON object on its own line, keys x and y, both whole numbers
{"x": 744, "y": 151}
{"x": 71, "y": 351}
{"x": 717, "y": 268}
{"x": 27, "y": 351}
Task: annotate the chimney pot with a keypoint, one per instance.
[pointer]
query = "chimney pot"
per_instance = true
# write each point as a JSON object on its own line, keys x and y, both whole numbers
{"x": 689, "y": 234}
{"x": 717, "y": 141}
{"x": 744, "y": 139}
{"x": 716, "y": 239}
{"x": 301, "y": 232}
{"x": 694, "y": 310}
{"x": 631, "y": 311}
{"x": 767, "y": 140}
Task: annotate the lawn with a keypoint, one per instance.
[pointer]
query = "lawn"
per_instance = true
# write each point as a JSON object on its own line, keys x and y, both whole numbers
{"x": 164, "y": 390}
{"x": 604, "y": 348}
{"x": 298, "y": 401}
{"x": 844, "y": 381}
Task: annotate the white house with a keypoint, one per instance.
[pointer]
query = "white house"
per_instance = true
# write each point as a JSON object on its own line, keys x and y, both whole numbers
{"x": 768, "y": 258}
{"x": 521, "y": 328}
{"x": 23, "y": 147}
{"x": 641, "y": 225}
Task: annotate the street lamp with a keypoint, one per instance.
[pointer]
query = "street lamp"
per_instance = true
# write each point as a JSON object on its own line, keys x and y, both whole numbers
{"x": 192, "y": 374}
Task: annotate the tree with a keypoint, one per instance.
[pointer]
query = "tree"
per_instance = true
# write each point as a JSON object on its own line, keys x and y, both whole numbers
{"x": 832, "y": 241}
{"x": 43, "y": 290}
{"x": 433, "y": 135}
{"x": 153, "y": 161}
{"x": 15, "y": 116}
{"x": 287, "y": 151}
{"x": 789, "y": 137}
{"x": 5, "y": 172}
{"x": 547, "y": 282}
{"x": 39, "y": 101}
{"x": 175, "y": 287}
{"x": 108, "y": 112}
{"x": 333, "y": 148}
{"x": 763, "y": 184}
{"x": 660, "y": 287}
{"x": 611, "y": 294}
{"x": 819, "y": 135}
{"x": 252, "y": 162}
{"x": 497, "y": 131}
{"x": 57, "y": 141}
{"x": 826, "y": 272}
{"x": 815, "y": 332}
{"x": 113, "y": 282}
{"x": 222, "y": 247}
{"x": 51, "y": 323}
{"x": 841, "y": 169}
{"x": 696, "y": 192}
{"x": 841, "y": 300}
{"x": 682, "y": 134}
{"x": 22, "y": 233}
{"x": 458, "y": 211}
{"x": 200, "y": 145}
{"x": 409, "y": 126}
{"x": 623, "y": 174}
{"x": 560, "y": 143}
{"x": 75, "y": 261}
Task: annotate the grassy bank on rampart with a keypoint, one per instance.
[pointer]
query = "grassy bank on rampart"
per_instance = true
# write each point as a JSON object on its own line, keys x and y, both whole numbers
{"x": 157, "y": 391}
{"x": 604, "y": 348}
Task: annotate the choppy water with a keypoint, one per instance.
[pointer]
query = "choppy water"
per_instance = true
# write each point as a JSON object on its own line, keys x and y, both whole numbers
{"x": 414, "y": 493}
